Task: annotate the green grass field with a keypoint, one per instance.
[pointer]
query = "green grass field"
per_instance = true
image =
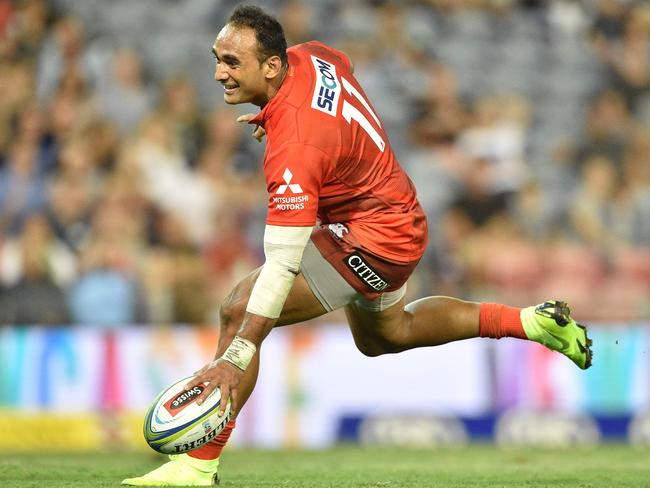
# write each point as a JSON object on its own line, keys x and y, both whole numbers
{"x": 476, "y": 466}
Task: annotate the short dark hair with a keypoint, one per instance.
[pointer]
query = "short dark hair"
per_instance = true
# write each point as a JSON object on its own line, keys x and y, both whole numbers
{"x": 268, "y": 31}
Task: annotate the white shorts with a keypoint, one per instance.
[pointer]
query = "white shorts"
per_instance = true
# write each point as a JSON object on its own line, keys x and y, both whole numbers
{"x": 332, "y": 291}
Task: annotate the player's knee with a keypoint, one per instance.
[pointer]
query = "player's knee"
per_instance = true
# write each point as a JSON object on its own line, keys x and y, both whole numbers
{"x": 374, "y": 348}
{"x": 384, "y": 340}
{"x": 370, "y": 350}
{"x": 386, "y": 344}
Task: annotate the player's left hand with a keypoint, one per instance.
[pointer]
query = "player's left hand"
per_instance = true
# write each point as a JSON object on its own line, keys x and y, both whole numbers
{"x": 259, "y": 131}
{"x": 222, "y": 374}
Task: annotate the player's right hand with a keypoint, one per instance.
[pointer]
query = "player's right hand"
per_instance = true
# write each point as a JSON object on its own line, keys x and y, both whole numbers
{"x": 259, "y": 131}
{"x": 222, "y": 374}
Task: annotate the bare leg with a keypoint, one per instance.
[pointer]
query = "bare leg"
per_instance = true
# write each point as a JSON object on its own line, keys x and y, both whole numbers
{"x": 429, "y": 321}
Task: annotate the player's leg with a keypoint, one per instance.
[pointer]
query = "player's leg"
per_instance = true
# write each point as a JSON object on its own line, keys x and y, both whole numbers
{"x": 200, "y": 467}
{"x": 396, "y": 327}
{"x": 393, "y": 327}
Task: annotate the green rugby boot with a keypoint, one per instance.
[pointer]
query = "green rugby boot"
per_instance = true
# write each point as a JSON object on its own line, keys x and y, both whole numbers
{"x": 182, "y": 470}
{"x": 550, "y": 324}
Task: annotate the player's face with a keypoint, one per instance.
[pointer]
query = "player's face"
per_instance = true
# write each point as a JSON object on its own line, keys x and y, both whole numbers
{"x": 238, "y": 68}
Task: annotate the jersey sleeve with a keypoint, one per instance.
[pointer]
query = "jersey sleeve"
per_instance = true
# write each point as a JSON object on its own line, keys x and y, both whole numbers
{"x": 294, "y": 176}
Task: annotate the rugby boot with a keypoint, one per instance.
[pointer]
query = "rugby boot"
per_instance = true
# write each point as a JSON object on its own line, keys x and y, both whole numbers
{"x": 182, "y": 470}
{"x": 550, "y": 324}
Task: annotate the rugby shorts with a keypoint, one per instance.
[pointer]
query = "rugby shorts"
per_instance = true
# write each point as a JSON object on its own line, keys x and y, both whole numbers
{"x": 339, "y": 275}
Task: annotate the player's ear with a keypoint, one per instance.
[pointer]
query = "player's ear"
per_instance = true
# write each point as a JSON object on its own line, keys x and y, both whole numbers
{"x": 273, "y": 67}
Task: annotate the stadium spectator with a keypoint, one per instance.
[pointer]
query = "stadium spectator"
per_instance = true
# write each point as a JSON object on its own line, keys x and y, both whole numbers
{"x": 69, "y": 209}
{"x": 36, "y": 236}
{"x": 188, "y": 288}
{"x": 297, "y": 18}
{"x": 636, "y": 189}
{"x": 628, "y": 55}
{"x": 157, "y": 274}
{"x": 6, "y": 12}
{"x": 497, "y": 134}
{"x": 72, "y": 110}
{"x": 477, "y": 200}
{"x": 593, "y": 211}
{"x": 63, "y": 59}
{"x": 31, "y": 128}
{"x": 440, "y": 116}
{"x": 26, "y": 24}
{"x": 532, "y": 213}
{"x": 179, "y": 106}
{"x": 228, "y": 255}
{"x": 33, "y": 265}
{"x": 607, "y": 128}
{"x": 124, "y": 96}
{"x": 17, "y": 83}
{"x": 450, "y": 268}
{"x": 22, "y": 186}
{"x": 608, "y": 20}
{"x": 107, "y": 292}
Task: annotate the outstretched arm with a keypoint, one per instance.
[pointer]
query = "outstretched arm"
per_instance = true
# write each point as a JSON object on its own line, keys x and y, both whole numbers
{"x": 283, "y": 248}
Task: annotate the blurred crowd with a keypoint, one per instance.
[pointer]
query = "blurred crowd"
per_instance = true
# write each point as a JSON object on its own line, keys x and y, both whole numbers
{"x": 129, "y": 194}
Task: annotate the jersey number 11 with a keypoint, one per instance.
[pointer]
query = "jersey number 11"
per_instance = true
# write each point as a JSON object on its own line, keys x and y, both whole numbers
{"x": 350, "y": 112}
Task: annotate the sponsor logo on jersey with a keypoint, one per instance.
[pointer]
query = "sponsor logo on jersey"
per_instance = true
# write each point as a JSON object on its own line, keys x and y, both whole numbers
{"x": 365, "y": 272}
{"x": 296, "y": 201}
{"x": 176, "y": 404}
{"x": 327, "y": 88}
{"x": 292, "y": 187}
{"x": 339, "y": 230}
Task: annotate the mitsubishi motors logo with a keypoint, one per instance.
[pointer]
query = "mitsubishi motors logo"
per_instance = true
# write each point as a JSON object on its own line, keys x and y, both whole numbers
{"x": 296, "y": 198}
{"x": 294, "y": 187}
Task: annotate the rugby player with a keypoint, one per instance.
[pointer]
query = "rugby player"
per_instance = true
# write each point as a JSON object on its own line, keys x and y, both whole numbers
{"x": 344, "y": 230}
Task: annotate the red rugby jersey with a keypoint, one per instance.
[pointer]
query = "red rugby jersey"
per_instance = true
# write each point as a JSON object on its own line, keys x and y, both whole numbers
{"x": 328, "y": 159}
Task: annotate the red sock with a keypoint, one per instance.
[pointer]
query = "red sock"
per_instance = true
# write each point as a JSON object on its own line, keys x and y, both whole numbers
{"x": 212, "y": 450}
{"x": 497, "y": 321}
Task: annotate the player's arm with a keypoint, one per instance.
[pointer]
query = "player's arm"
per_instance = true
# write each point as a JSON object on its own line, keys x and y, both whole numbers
{"x": 283, "y": 249}
{"x": 285, "y": 237}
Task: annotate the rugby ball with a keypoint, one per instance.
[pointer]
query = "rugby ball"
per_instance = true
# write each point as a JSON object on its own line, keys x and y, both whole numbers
{"x": 175, "y": 423}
